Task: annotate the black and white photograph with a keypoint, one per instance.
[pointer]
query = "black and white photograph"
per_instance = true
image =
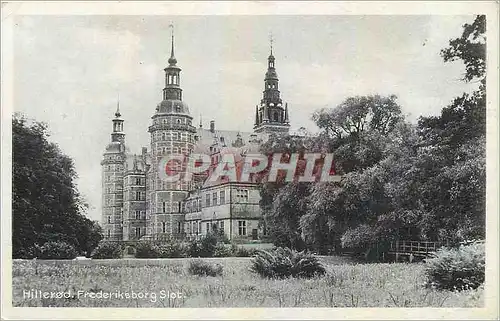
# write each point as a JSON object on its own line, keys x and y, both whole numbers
{"x": 220, "y": 155}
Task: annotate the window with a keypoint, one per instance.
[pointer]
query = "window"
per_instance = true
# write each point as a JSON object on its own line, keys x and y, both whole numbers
{"x": 109, "y": 219}
{"x": 179, "y": 229}
{"x": 164, "y": 207}
{"x": 222, "y": 197}
{"x": 207, "y": 200}
{"x": 199, "y": 227}
{"x": 137, "y": 215}
{"x": 137, "y": 196}
{"x": 208, "y": 228}
{"x": 214, "y": 198}
{"x": 242, "y": 195}
{"x": 222, "y": 226}
{"x": 137, "y": 232}
{"x": 109, "y": 234}
{"x": 199, "y": 205}
{"x": 163, "y": 227}
{"x": 242, "y": 228}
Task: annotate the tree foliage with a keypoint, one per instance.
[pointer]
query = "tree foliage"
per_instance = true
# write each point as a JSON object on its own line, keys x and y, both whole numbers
{"x": 400, "y": 180}
{"x": 46, "y": 206}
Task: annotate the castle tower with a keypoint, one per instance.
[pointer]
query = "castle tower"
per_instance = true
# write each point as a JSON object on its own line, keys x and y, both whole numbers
{"x": 271, "y": 116}
{"x": 134, "y": 198}
{"x": 112, "y": 167}
{"x": 172, "y": 133}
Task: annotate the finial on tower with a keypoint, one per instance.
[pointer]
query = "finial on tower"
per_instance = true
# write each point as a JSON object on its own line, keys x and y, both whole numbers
{"x": 271, "y": 41}
{"x": 117, "y": 114}
{"x": 172, "y": 59}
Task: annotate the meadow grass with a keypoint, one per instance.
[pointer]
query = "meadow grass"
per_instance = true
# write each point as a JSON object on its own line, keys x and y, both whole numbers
{"x": 345, "y": 285}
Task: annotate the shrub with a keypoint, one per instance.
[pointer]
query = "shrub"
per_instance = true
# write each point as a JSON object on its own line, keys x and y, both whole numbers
{"x": 205, "y": 247}
{"x": 222, "y": 250}
{"x": 243, "y": 252}
{"x": 107, "y": 250}
{"x": 146, "y": 250}
{"x": 282, "y": 263}
{"x": 171, "y": 250}
{"x": 459, "y": 268}
{"x": 202, "y": 268}
{"x": 56, "y": 251}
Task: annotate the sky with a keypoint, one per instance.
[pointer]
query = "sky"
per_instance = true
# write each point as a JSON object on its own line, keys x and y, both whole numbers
{"x": 70, "y": 71}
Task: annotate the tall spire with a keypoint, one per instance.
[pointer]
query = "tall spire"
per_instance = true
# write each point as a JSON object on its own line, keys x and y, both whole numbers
{"x": 172, "y": 90}
{"x": 117, "y": 135}
{"x": 271, "y": 41}
{"x": 172, "y": 60}
{"x": 118, "y": 114}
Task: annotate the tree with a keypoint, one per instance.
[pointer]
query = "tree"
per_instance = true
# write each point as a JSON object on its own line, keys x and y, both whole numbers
{"x": 46, "y": 206}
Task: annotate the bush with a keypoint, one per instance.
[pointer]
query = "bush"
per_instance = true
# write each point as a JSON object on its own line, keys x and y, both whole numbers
{"x": 171, "y": 250}
{"x": 107, "y": 250}
{"x": 282, "y": 263}
{"x": 205, "y": 247}
{"x": 243, "y": 252}
{"x": 56, "y": 251}
{"x": 456, "y": 268}
{"x": 147, "y": 250}
{"x": 222, "y": 250}
{"x": 202, "y": 268}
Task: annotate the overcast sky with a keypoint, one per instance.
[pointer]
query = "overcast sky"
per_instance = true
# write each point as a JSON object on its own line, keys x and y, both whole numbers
{"x": 70, "y": 69}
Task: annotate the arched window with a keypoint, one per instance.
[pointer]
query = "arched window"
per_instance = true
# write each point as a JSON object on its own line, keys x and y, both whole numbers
{"x": 275, "y": 116}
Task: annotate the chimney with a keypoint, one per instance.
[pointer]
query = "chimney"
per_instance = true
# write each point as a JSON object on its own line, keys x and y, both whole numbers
{"x": 212, "y": 126}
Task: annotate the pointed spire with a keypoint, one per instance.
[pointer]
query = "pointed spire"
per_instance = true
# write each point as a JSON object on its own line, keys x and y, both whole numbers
{"x": 118, "y": 114}
{"x": 271, "y": 40}
{"x": 256, "y": 115}
{"x": 172, "y": 60}
{"x": 286, "y": 113}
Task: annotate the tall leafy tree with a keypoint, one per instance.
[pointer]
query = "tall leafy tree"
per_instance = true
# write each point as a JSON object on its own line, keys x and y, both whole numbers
{"x": 45, "y": 203}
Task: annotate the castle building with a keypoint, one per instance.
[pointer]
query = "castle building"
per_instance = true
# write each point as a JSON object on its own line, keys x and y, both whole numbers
{"x": 137, "y": 204}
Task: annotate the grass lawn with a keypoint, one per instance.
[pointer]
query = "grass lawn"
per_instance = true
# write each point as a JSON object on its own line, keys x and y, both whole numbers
{"x": 168, "y": 284}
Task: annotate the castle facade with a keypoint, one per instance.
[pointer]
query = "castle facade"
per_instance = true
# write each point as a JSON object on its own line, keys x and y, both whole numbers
{"x": 138, "y": 205}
